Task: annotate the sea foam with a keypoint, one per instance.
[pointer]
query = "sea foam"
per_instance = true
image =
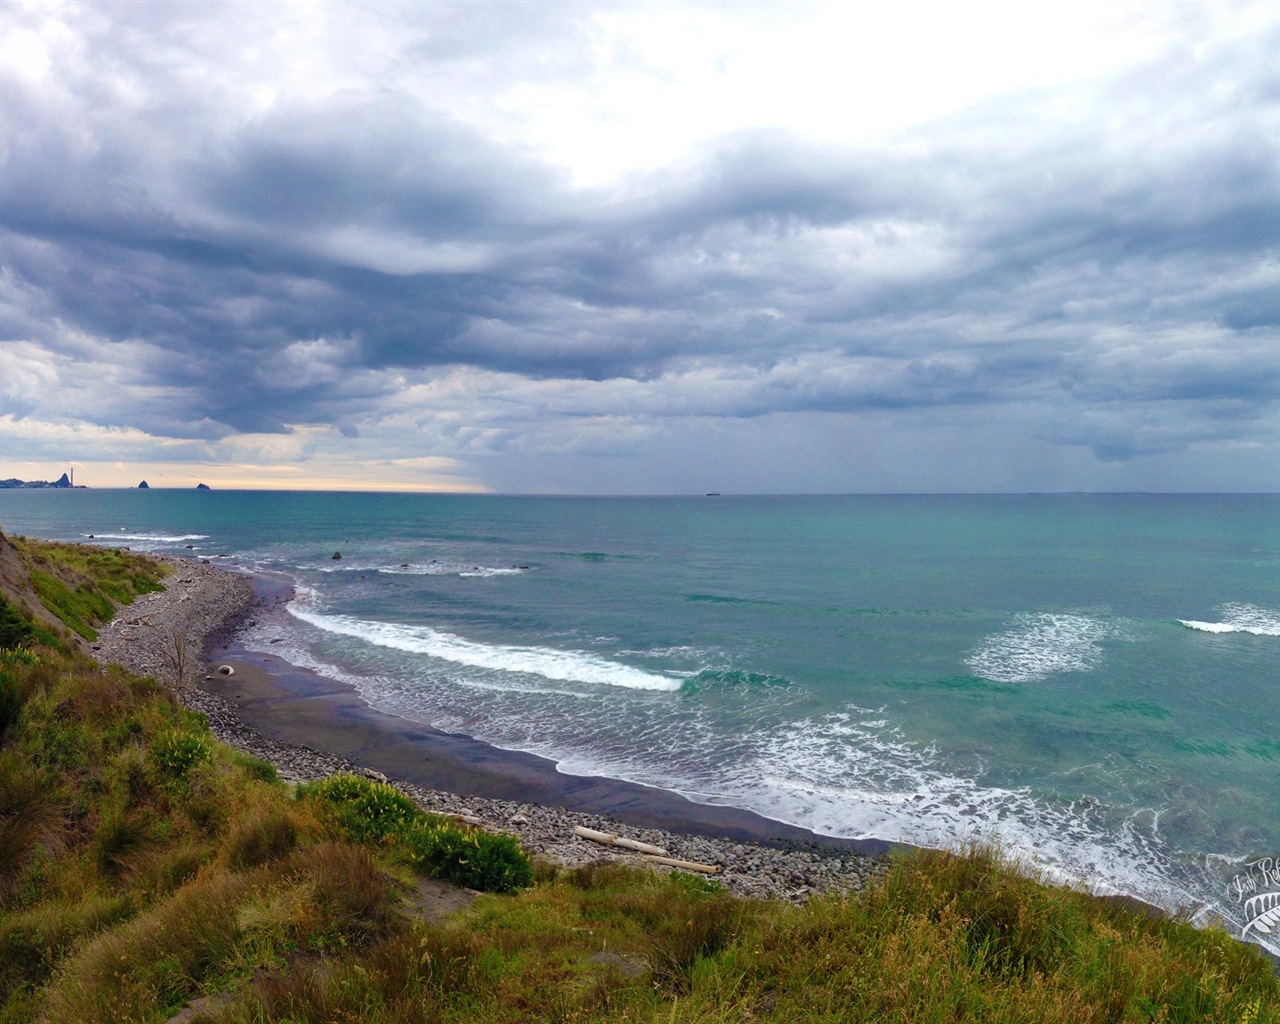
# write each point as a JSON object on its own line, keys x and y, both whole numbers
{"x": 1037, "y": 646}
{"x": 157, "y": 538}
{"x": 434, "y": 568}
{"x": 562, "y": 666}
{"x": 1240, "y": 618}
{"x": 847, "y": 774}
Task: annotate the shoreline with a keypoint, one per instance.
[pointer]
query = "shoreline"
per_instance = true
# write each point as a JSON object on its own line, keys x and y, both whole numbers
{"x": 309, "y": 726}
{"x": 256, "y": 710}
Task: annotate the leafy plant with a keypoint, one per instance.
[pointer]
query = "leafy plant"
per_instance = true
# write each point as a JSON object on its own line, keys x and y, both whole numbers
{"x": 374, "y": 812}
{"x": 469, "y": 857}
{"x": 363, "y": 809}
{"x": 174, "y": 754}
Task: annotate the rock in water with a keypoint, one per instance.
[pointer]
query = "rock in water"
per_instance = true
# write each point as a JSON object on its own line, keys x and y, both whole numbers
{"x": 337, "y": 555}
{"x": 144, "y": 486}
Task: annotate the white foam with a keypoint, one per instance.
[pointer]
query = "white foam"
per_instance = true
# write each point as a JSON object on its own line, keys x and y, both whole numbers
{"x": 847, "y": 775}
{"x": 158, "y": 538}
{"x": 679, "y": 652}
{"x": 1037, "y": 646}
{"x": 562, "y": 666}
{"x": 1240, "y": 618}
{"x": 464, "y": 569}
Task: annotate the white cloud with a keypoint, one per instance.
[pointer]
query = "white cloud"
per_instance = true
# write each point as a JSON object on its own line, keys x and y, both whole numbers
{"x": 301, "y": 235}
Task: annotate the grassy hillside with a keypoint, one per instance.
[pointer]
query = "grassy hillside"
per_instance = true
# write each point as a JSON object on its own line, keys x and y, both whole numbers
{"x": 67, "y": 585}
{"x": 143, "y": 864}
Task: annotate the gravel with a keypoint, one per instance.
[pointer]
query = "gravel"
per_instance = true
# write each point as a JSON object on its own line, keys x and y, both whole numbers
{"x": 166, "y": 635}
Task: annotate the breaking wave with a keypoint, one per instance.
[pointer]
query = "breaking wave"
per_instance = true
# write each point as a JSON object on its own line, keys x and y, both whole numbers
{"x": 1240, "y": 618}
{"x": 560, "y": 666}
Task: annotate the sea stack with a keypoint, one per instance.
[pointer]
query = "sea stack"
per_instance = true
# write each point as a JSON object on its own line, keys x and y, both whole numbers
{"x": 202, "y": 487}
{"x": 144, "y": 486}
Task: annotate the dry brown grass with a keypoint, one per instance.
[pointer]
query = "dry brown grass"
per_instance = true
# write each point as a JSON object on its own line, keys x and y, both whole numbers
{"x": 32, "y": 819}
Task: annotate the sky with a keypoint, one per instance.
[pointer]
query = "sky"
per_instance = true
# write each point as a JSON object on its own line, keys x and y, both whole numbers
{"x": 642, "y": 248}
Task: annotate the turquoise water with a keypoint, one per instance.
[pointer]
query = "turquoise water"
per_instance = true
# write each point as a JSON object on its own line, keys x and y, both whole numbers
{"x": 1090, "y": 678}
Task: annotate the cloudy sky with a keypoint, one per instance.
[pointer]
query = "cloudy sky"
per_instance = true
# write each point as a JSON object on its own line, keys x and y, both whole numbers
{"x": 620, "y": 248}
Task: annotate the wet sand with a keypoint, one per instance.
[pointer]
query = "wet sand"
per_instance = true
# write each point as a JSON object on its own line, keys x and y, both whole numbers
{"x": 298, "y": 707}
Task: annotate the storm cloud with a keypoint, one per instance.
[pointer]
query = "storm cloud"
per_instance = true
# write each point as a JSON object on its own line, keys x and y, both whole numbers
{"x": 388, "y": 241}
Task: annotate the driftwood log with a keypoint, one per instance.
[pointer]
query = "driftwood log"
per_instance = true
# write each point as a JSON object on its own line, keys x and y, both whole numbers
{"x": 687, "y": 865}
{"x": 652, "y": 854}
{"x": 609, "y": 839}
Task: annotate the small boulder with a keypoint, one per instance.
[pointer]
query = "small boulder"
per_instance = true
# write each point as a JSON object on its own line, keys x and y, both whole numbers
{"x": 226, "y": 670}
{"x": 337, "y": 555}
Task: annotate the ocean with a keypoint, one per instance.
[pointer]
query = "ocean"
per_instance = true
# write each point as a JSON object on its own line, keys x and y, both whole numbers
{"x": 1088, "y": 679}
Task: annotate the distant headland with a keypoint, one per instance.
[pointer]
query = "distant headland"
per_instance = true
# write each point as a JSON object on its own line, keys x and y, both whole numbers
{"x": 65, "y": 481}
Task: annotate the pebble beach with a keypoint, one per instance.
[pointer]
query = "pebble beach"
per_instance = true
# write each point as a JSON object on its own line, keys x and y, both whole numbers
{"x": 198, "y": 614}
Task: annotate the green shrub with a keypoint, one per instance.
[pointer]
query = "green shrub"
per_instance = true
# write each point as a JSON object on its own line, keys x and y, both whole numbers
{"x": 469, "y": 857}
{"x": 362, "y": 808}
{"x": 374, "y": 812}
{"x": 174, "y": 754}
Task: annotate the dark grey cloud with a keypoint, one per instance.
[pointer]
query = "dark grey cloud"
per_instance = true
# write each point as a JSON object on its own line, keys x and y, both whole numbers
{"x": 1116, "y": 270}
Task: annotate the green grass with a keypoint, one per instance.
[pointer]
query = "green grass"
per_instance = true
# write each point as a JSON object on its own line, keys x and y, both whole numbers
{"x": 83, "y": 585}
{"x": 14, "y": 629}
{"x": 943, "y": 938}
{"x": 120, "y": 575}
{"x": 141, "y": 861}
{"x": 142, "y": 864}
